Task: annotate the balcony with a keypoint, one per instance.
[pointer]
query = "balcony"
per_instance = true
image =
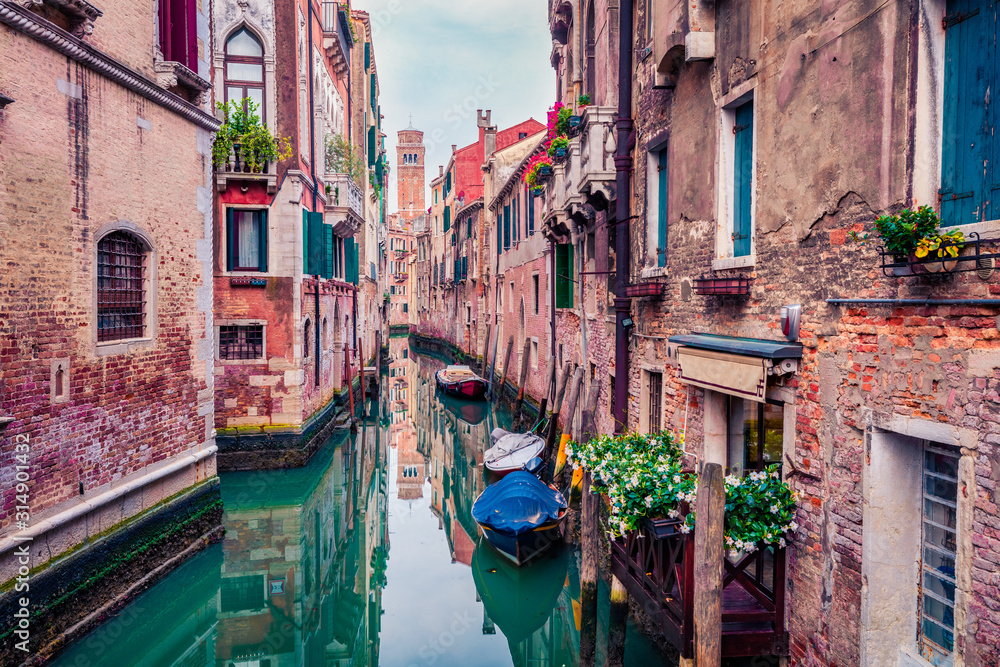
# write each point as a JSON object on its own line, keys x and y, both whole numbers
{"x": 238, "y": 170}
{"x": 337, "y": 40}
{"x": 597, "y": 169}
{"x": 656, "y": 564}
{"x": 400, "y": 277}
{"x": 345, "y": 208}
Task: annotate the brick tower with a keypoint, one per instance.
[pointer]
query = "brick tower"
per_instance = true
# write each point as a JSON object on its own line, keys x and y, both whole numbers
{"x": 410, "y": 174}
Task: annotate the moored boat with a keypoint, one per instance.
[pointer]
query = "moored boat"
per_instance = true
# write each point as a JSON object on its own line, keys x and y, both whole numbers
{"x": 520, "y": 516}
{"x": 461, "y": 381}
{"x": 512, "y": 451}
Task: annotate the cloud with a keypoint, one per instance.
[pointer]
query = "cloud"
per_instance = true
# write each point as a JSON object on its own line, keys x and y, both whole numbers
{"x": 442, "y": 59}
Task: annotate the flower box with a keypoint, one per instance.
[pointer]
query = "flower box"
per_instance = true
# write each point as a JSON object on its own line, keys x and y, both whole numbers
{"x": 545, "y": 171}
{"x": 560, "y": 152}
{"x": 660, "y": 528}
{"x": 574, "y": 121}
{"x": 738, "y": 286}
{"x": 537, "y": 192}
{"x": 246, "y": 281}
{"x": 640, "y": 290}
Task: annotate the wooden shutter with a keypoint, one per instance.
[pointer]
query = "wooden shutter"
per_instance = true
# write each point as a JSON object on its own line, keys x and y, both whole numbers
{"x": 661, "y": 232}
{"x": 351, "y": 261}
{"x": 531, "y": 212}
{"x": 968, "y": 149}
{"x": 230, "y": 239}
{"x": 499, "y": 237}
{"x": 368, "y": 56}
{"x": 743, "y": 181}
{"x": 262, "y": 240}
{"x": 564, "y": 275}
{"x": 447, "y": 218}
{"x": 305, "y": 241}
{"x": 328, "y": 258}
{"x": 372, "y": 150}
{"x": 317, "y": 245}
{"x": 506, "y": 226}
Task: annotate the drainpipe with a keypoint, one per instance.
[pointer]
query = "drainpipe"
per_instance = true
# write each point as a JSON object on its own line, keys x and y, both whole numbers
{"x": 623, "y": 167}
{"x": 312, "y": 167}
{"x": 552, "y": 302}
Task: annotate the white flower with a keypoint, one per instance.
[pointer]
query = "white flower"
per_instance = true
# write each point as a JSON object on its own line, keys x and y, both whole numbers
{"x": 684, "y": 529}
{"x": 649, "y": 501}
{"x": 673, "y": 514}
{"x": 793, "y": 526}
{"x": 677, "y": 479}
{"x": 774, "y": 509}
{"x": 782, "y": 542}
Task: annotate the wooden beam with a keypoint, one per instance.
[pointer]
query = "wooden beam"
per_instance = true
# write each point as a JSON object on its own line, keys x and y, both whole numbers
{"x": 710, "y": 509}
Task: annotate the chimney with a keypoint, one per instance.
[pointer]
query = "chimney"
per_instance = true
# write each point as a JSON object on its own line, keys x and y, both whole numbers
{"x": 440, "y": 170}
{"x": 453, "y": 147}
{"x": 490, "y": 140}
{"x": 484, "y": 118}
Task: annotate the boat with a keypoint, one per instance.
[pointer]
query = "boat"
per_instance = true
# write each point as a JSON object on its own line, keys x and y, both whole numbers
{"x": 520, "y": 516}
{"x": 519, "y": 600}
{"x": 512, "y": 451}
{"x": 461, "y": 381}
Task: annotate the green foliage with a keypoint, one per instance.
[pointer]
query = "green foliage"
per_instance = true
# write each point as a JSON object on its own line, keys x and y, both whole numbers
{"x": 244, "y": 132}
{"x": 644, "y": 478}
{"x": 941, "y": 245}
{"x": 562, "y": 141}
{"x": 902, "y": 232}
{"x": 583, "y": 100}
{"x": 562, "y": 120}
{"x": 342, "y": 157}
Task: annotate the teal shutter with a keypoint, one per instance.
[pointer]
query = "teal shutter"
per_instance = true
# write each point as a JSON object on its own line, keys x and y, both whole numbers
{"x": 351, "y": 260}
{"x": 357, "y": 265}
{"x": 514, "y": 232}
{"x": 531, "y": 212}
{"x": 317, "y": 245}
{"x": 447, "y": 218}
{"x": 230, "y": 237}
{"x": 305, "y": 242}
{"x": 328, "y": 257}
{"x": 564, "y": 275}
{"x": 262, "y": 241}
{"x": 372, "y": 150}
{"x": 743, "y": 180}
{"x": 506, "y": 226}
{"x": 499, "y": 237}
{"x": 368, "y": 56}
{"x": 661, "y": 232}
{"x": 968, "y": 150}
{"x": 374, "y": 98}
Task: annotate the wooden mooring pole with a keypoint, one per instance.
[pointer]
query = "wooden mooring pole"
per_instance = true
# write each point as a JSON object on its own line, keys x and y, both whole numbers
{"x": 525, "y": 362}
{"x": 616, "y": 623}
{"x": 574, "y": 395}
{"x": 590, "y": 541}
{"x": 710, "y": 508}
{"x": 550, "y": 439}
{"x": 498, "y": 390}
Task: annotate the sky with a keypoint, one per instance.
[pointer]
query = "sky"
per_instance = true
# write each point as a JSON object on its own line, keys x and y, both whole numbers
{"x": 441, "y": 60}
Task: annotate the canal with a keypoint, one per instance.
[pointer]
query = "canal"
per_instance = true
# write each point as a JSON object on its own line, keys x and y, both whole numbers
{"x": 366, "y": 556}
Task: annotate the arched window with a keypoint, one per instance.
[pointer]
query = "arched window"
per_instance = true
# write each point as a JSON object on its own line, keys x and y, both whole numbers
{"x": 121, "y": 287}
{"x": 245, "y": 70}
{"x": 306, "y": 330}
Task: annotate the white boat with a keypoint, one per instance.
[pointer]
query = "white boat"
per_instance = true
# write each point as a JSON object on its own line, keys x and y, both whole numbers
{"x": 512, "y": 451}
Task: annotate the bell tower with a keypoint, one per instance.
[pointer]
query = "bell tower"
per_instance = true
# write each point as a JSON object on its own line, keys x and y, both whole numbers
{"x": 410, "y": 173}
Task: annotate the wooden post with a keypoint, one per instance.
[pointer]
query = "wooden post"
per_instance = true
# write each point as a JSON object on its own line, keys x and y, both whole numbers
{"x": 550, "y": 441}
{"x": 564, "y": 439}
{"x": 350, "y": 388}
{"x": 616, "y": 624}
{"x": 361, "y": 358}
{"x": 590, "y": 540}
{"x": 498, "y": 391}
{"x": 710, "y": 508}
{"x": 486, "y": 354}
{"x": 588, "y": 429}
{"x": 525, "y": 362}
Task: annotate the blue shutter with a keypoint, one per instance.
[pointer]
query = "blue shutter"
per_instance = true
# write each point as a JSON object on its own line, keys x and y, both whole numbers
{"x": 262, "y": 240}
{"x": 230, "y": 245}
{"x": 968, "y": 148}
{"x": 661, "y": 232}
{"x": 743, "y": 181}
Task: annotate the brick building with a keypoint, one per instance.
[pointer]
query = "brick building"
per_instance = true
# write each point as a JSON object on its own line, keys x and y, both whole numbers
{"x": 106, "y": 382}
{"x": 298, "y": 258}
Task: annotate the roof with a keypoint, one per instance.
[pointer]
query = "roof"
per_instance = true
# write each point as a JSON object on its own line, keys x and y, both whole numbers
{"x": 749, "y": 347}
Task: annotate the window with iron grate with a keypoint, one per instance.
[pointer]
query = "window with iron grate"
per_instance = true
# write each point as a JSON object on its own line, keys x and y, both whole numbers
{"x": 121, "y": 289}
{"x": 241, "y": 342}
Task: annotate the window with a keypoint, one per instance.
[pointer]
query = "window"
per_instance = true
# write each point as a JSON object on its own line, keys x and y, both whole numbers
{"x": 179, "y": 32}
{"x": 405, "y": 307}
{"x": 590, "y": 49}
{"x": 246, "y": 240}
{"x": 657, "y": 204}
{"x": 736, "y": 199}
{"x": 121, "y": 288}
{"x": 531, "y": 211}
{"x": 522, "y": 135}
{"x": 241, "y": 342}
{"x": 939, "y": 552}
{"x": 242, "y": 593}
{"x": 750, "y": 424}
{"x": 534, "y": 354}
{"x": 655, "y": 402}
{"x": 970, "y": 191}
{"x": 306, "y": 330}
{"x": 564, "y": 275}
{"x": 245, "y": 70}
{"x": 534, "y": 291}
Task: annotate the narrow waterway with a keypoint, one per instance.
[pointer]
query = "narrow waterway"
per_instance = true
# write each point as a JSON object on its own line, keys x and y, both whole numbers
{"x": 367, "y": 556}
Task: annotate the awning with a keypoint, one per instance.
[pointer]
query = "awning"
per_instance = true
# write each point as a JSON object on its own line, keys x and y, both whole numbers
{"x": 734, "y": 366}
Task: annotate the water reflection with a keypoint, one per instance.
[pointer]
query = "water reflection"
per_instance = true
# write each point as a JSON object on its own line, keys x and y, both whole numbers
{"x": 305, "y": 575}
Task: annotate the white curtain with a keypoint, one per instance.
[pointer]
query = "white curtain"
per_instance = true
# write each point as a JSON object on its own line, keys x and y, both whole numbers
{"x": 249, "y": 254}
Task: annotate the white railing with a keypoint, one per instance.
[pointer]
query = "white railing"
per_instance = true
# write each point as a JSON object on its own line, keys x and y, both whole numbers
{"x": 345, "y": 193}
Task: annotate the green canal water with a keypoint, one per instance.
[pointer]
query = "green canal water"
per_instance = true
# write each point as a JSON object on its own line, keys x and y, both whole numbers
{"x": 367, "y": 556}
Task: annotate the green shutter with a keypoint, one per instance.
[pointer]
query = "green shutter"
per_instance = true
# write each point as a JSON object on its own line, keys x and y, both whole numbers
{"x": 499, "y": 237}
{"x": 968, "y": 146}
{"x": 328, "y": 258}
{"x": 374, "y": 96}
{"x": 531, "y": 212}
{"x": 564, "y": 275}
{"x": 351, "y": 261}
{"x": 372, "y": 150}
{"x": 506, "y": 226}
{"x": 262, "y": 241}
{"x": 447, "y": 218}
{"x": 743, "y": 181}
{"x": 661, "y": 230}
{"x": 368, "y": 56}
{"x": 305, "y": 241}
{"x": 317, "y": 245}
{"x": 229, "y": 239}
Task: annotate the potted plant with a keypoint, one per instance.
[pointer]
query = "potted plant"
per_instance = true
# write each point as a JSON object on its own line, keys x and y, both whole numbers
{"x": 559, "y": 120}
{"x": 537, "y": 171}
{"x": 900, "y": 234}
{"x": 244, "y": 142}
{"x": 558, "y": 146}
{"x": 583, "y": 101}
{"x": 944, "y": 247}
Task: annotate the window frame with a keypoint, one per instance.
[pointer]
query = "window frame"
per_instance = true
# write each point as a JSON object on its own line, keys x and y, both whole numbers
{"x": 249, "y": 60}
{"x": 725, "y": 251}
{"x": 150, "y": 319}
{"x": 220, "y": 324}
{"x": 232, "y": 244}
